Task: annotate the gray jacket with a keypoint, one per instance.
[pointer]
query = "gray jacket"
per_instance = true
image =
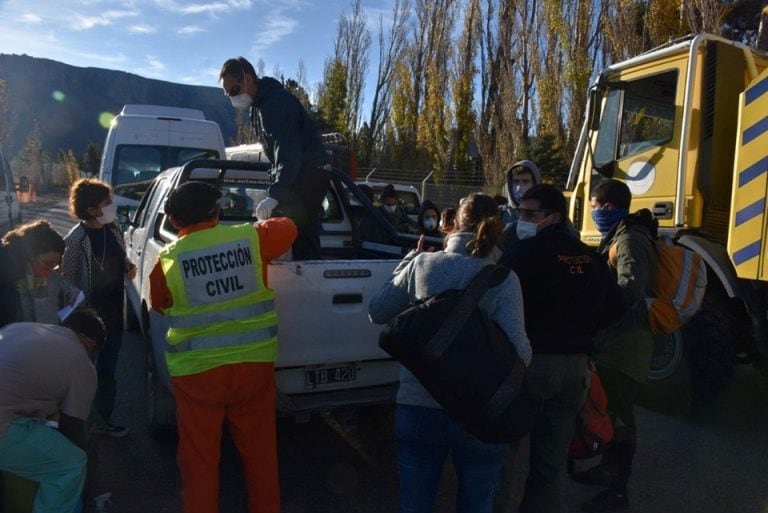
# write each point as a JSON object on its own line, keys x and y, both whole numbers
{"x": 426, "y": 274}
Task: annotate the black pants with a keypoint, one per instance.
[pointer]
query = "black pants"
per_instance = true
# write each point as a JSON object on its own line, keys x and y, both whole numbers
{"x": 304, "y": 205}
{"x": 622, "y": 392}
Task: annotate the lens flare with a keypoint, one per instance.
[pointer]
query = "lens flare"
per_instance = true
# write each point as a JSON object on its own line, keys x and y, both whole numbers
{"x": 105, "y": 119}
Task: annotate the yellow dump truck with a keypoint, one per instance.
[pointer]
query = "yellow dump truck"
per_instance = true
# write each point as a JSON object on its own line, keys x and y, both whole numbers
{"x": 686, "y": 127}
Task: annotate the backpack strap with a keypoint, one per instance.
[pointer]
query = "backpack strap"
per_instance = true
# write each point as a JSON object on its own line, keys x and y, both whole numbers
{"x": 489, "y": 276}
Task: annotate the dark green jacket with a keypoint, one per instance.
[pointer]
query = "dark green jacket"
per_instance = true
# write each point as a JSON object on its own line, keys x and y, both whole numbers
{"x": 628, "y": 346}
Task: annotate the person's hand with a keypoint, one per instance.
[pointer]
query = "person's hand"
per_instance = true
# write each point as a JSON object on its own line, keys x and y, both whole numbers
{"x": 131, "y": 271}
{"x": 264, "y": 208}
{"x": 420, "y": 244}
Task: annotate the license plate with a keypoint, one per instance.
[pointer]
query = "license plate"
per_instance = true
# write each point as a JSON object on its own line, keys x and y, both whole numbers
{"x": 319, "y": 376}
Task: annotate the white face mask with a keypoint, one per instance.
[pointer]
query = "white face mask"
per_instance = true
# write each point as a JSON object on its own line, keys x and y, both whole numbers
{"x": 526, "y": 229}
{"x": 518, "y": 191}
{"x": 390, "y": 208}
{"x": 241, "y": 101}
{"x": 429, "y": 224}
{"x": 108, "y": 213}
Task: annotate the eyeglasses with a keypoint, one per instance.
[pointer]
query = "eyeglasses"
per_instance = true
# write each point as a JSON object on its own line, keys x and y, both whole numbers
{"x": 235, "y": 89}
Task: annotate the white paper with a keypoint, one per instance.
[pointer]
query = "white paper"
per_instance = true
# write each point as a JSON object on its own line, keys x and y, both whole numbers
{"x": 64, "y": 312}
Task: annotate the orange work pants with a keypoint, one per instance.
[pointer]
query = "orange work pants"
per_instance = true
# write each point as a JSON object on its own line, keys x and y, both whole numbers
{"x": 244, "y": 395}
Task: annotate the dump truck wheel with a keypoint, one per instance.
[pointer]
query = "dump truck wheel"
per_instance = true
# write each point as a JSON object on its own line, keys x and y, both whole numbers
{"x": 691, "y": 366}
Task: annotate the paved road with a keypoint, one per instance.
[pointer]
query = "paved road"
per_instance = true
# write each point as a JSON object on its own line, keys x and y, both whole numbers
{"x": 715, "y": 462}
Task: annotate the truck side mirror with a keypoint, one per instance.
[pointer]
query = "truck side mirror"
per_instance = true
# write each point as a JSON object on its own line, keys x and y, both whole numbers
{"x": 594, "y": 108}
{"x": 606, "y": 169}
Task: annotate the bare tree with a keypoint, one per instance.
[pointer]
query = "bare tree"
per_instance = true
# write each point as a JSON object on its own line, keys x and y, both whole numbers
{"x": 462, "y": 87}
{"x": 498, "y": 127}
{"x": 623, "y": 29}
{"x": 390, "y": 49}
{"x": 432, "y": 136}
{"x": 353, "y": 41}
{"x": 705, "y": 15}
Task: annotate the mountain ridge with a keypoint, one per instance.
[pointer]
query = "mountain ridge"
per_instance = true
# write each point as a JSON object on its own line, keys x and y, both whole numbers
{"x": 67, "y": 101}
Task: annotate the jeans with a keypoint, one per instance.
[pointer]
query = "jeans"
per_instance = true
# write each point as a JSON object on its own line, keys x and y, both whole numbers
{"x": 106, "y": 364}
{"x": 304, "y": 205}
{"x": 425, "y": 436}
{"x": 562, "y": 382}
{"x": 40, "y": 453}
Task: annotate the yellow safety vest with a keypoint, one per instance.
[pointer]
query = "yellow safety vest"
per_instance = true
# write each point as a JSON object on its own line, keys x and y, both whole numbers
{"x": 222, "y": 312}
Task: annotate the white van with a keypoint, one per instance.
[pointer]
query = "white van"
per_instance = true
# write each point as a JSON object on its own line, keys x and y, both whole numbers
{"x": 10, "y": 215}
{"x": 146, "y": 139}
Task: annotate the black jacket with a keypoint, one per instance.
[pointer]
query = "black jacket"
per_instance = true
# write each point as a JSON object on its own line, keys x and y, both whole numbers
{"x": 568, "y": 291}
{"x": 15, "y": 298}
{"x": 291, "y": 139}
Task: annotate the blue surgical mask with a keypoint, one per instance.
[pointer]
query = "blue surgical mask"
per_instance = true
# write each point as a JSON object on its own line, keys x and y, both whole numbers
{"x": 605, "y": 219}
{"x": 518, "y": 191}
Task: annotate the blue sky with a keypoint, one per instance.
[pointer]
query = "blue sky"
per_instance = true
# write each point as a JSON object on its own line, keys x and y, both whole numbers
{"x": 179, "y": 41}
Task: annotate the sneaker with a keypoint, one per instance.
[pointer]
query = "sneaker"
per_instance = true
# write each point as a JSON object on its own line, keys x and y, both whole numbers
{"x": 599, "y": 475}
{"x": 607, "y": 501}
{"x": 109, "y": 429}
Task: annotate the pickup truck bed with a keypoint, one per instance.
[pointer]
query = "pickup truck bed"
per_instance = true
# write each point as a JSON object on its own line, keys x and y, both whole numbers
{"x": 328, "y": 349}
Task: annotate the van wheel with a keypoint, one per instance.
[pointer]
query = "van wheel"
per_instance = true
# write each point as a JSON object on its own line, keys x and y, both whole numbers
{"x": 690, "y": 367}
{"x": 161, "y": 406}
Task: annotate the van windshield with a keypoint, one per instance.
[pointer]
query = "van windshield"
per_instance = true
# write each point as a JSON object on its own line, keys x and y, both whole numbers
{"x": 136, "y": 165}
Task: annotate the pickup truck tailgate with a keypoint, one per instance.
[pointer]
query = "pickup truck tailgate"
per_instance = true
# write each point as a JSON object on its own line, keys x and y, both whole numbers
{"x": 323, "y": 310}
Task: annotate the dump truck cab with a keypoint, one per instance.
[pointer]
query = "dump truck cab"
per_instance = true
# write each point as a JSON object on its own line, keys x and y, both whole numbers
{"x": 668, "y": 124}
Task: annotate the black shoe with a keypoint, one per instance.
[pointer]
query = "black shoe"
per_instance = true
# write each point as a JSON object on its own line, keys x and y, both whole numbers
{"x": 599, "y": 475}
{"x": 607, "y": 501}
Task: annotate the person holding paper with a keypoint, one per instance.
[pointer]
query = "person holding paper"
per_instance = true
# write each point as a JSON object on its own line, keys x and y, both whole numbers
{"x": 29, "y": 256}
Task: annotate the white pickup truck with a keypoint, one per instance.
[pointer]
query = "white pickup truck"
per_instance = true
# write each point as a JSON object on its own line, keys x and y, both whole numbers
{"x": 328, "y": 350}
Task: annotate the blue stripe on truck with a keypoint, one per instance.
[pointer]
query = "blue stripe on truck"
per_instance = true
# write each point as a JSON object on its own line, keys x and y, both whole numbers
{"x": 758, "y": 168}
{"x": 750, "y": 211}
{"x": 755, "y": 131}
{"x": 746, "y": 253}
{"x": 756, "y": 91}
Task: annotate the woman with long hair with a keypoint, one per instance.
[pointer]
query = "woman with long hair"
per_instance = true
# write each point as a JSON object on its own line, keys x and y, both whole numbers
{"x": 28, "y": 256}
{"x": 425, "y": 433}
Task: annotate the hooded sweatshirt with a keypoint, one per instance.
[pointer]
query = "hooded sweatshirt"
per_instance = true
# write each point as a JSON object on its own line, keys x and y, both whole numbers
{"x": 508, "y": 212}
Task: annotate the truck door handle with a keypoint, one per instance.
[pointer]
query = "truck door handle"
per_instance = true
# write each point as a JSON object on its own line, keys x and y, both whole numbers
{"x": 347, "y": 299}
{"x": 662, "y": 210}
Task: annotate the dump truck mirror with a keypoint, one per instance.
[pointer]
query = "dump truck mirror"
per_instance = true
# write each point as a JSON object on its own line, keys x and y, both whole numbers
{"x": 605, "y": 169}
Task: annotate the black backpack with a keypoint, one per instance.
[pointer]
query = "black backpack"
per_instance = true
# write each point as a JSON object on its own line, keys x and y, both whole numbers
{"x": 465, "y": 360}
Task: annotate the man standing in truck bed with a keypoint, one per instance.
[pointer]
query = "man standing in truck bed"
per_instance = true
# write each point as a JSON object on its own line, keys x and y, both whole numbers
{"x": 221, "y": 344}
{"x": 292, "y": 143}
